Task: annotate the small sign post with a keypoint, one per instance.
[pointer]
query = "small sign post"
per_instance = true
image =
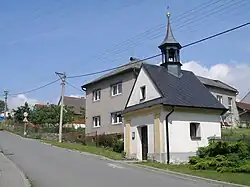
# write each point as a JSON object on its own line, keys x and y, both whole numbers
{"x": 25, "y": 120}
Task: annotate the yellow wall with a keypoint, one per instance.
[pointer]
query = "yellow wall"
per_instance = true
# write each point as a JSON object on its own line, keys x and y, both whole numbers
{"x": 127, "y": 136}
{"x": 157, "y": 134}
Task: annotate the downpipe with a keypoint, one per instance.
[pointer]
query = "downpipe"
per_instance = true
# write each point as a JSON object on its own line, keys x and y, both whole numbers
{"x": 167, "y": 134}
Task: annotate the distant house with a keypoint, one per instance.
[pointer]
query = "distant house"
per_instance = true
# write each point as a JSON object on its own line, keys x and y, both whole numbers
{"x": 244, "y": 114}
{"x": 169, "y": 113}
{"x": 246, "y": 99}
{"x": 77, "y": 105}
{"x": 226, "y": 95}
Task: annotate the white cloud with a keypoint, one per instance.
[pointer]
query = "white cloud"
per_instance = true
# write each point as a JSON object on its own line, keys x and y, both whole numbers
{"x": 14, "y": 102}
{"x": 236, "y": 75}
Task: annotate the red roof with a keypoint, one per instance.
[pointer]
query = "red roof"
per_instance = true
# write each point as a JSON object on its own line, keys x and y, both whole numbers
{"x": 40, "y": 105}
{"x": 243, "y": 106}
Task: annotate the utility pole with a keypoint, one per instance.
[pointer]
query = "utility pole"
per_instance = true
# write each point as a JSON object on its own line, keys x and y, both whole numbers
{"x": 5, "y": 102}
{"x": 63, "y": 78}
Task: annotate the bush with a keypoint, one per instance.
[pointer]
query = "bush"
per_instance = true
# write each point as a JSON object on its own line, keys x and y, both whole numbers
{"x": 105, "y": 140}
{"x": 118, "y": 145}
{"x": 223, "y": 157}
{"x": 194, "y": 160}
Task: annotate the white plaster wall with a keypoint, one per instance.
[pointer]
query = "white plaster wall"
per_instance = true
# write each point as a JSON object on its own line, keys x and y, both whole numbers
{"x": 136, "y": 123}
{"x": 151, "y": 90}
{"x": 179, "y": 130}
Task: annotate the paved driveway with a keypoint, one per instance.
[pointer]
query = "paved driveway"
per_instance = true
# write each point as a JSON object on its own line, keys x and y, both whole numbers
{"x": 49, "y": 166}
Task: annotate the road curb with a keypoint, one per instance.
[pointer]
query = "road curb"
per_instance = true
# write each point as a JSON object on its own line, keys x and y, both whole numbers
{"x": 26, "y": 182}
{"x": 187, "y": 176}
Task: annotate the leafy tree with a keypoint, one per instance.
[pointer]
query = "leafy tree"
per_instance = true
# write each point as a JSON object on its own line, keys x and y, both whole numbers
{"x": 2, "y": 106}
{"x": 50, "y": 115}
{"x": 18, "y": 113}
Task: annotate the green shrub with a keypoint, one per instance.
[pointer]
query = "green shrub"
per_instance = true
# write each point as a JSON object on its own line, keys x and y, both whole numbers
{"x": 105, "y": 140}
{"x": 243, "y": 169}
{"x": 118, "y": 145}
{"x": 194, "y": 160}
{"x": 203, "y": 165}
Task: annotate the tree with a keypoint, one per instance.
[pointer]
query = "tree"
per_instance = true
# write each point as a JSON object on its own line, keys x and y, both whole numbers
{"x": 2, "y": 106}
{"x": 50, "y": 115}
{"x": 18, "y": 113}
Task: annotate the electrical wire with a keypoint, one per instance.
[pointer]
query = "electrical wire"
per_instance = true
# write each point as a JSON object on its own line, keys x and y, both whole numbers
{"x": 117, "y": 49}
{"x": 35, "y": 89}
{"x": 73, "y": 86}
{"x": 151, "y": 57}
{"x": 184, "y": 46}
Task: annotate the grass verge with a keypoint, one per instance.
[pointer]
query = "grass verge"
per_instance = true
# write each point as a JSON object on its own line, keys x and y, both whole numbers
{"x": 88, "y": 148}
{"x": 237, "y": 178}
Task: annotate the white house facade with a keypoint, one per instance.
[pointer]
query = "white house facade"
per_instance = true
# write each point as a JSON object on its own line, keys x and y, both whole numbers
{"x": 166, "y": 116}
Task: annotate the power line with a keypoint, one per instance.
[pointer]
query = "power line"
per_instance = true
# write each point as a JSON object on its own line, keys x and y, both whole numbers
{"x": 215, "y": 35}
{"x": 184, "y": 46}
{"x": 151, "y": 57}
{"x": 73, "y": 86}
{"x": 117, "y": 49}
{"x": 35, "y": 89}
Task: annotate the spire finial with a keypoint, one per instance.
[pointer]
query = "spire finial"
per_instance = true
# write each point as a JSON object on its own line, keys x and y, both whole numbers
{"x": 168, "y": 13}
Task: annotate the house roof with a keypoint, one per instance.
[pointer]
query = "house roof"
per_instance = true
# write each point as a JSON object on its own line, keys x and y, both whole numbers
{"x": 76, "y": 103}
{"x": 246, "y": 98}
{"x": 133, "y": 64}
{"x": 216, "y": 83}
{"x": 243, "y": 106}
{"x": 185, "y": 91}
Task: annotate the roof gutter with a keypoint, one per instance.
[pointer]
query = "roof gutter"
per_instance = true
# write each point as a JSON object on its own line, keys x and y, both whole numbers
{"x": 167, "y": 134}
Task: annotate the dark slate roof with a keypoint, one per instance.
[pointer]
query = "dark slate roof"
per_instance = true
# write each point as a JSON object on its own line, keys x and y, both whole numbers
{"x": 216, "y": 83}
{"x": 185, "y": 91}
{"x": 76, "y": 103}
{"x": 134, "y": 64}
{"x": 169, "y": 39}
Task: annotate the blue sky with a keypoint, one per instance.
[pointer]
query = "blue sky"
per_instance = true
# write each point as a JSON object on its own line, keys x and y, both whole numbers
{"x": 41, "y": 37}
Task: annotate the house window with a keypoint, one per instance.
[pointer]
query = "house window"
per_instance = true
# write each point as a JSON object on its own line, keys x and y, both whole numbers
{"x": 116, "y": 118}
{"x": 219, "y": 98}
{"x": 116, "y": 89}
{"x": 230, "y": 103}
{"x": 96, "y": 121}
{"x": 143, "y": 93}
{"x": 195, "y": 132}
{"x": 97, "y": 95}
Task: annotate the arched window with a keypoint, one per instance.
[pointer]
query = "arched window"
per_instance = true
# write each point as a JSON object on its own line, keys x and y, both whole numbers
{"x": 171, "y": 55}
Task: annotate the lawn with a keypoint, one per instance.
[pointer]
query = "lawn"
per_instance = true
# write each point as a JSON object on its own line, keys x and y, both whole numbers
{"x": 88, "y": 148}
{"x": 236, "y": 133}
{"x": 237, "y": 178}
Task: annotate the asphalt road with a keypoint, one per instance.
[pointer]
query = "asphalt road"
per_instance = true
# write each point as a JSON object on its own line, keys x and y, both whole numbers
{"x": 49, "y": 166}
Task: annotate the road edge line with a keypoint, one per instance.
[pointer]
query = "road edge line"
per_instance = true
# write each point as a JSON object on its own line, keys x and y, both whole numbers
{"x": 25, "y": 179}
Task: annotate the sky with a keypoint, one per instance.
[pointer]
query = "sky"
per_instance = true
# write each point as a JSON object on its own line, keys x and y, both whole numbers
{"x": 39, "y": 38}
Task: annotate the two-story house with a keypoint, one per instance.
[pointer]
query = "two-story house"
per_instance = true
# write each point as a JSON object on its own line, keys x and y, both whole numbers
{"x": 226, "y": 95}
{"x": 106, "y": 97}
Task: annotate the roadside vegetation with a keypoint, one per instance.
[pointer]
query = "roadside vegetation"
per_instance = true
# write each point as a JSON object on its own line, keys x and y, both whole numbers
{"x": 237, "y": 178}
{"x": 225, "y": 160}
{"x": 239, "y": 133}
{"x": 103, "y": 151}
